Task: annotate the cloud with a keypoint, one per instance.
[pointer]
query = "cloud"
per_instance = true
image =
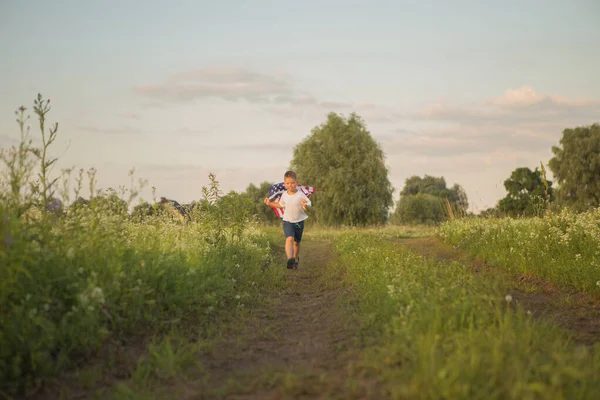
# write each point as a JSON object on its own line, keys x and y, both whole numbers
{"x": 226, "y": 83}
{"x": 527, "y": 96}
{"x": 152, "y": 104}
{"x": 129, "y": 115}
{"x": 335, "y": 105}
{"x": 296, "y": 100}
{"x": 122, "y": 130}
{"x": 515, "y": 106}
{"x": 520, "y": 120}
{"x": 261, "y": 147}
{"x": 276, "y": 93}
{"x": 457, "y": 141}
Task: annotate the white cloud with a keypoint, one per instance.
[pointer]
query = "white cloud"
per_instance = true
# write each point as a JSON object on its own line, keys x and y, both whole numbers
{"x": 130, "y": 115}
{"x": 221, "y": 82}
{"x": 276, "y": 93}
{"x": 527, "y": 96}
{"x": 119, "y": 130}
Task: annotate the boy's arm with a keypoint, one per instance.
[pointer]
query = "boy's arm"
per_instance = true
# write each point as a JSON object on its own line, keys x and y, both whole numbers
{"x": 306, "y": 202}
{"x": 272, "y": 203}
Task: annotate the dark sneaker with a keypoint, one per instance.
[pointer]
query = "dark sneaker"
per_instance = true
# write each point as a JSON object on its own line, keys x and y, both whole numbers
{"x": 296, "y": 262}
{"x": 290, "y": 263}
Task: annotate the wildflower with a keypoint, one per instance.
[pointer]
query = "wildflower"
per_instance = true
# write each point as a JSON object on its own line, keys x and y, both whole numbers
{"x": 391, "y": 290}
{"x": 508, "y": 298}
{"x": 97, "y": 295}
{"x": 598, "y": 283}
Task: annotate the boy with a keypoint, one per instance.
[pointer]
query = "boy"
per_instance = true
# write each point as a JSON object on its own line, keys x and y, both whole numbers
{"x": 294, "y": 203}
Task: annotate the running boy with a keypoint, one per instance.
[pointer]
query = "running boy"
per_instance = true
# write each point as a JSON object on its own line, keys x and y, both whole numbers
{"x": 294, "y": 203}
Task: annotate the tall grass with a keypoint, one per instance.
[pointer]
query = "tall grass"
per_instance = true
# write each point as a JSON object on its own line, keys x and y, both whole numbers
{"x": 563, "y": 247}
{"x": 73, "y": 277}
{"x": 437, "y": 331}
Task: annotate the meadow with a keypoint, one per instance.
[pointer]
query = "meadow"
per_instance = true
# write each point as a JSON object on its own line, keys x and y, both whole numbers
{"x": 442, "y": 331}
{"x": 92, "y": 280}
{"x": 562, "y": 247}
{"x": 98, "y": 302}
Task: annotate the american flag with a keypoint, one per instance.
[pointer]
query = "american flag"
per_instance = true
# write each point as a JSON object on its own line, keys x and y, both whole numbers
{"x": 277, "y": 190}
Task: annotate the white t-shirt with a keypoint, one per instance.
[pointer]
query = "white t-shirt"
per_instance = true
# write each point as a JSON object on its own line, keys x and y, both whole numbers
{"x": 292, "y": 208}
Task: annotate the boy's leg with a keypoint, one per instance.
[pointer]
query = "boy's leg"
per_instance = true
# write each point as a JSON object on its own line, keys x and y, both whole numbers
{"x": 298, "y": 231}
{"x": 288, "y": 230}
{"x": 289, "y": 247}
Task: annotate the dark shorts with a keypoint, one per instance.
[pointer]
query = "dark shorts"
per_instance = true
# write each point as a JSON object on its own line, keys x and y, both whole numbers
{"x": 294, "y": 229}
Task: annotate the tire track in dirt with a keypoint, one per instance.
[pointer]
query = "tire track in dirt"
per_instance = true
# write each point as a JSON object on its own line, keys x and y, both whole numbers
{"x": 298, "y": 347}
{"x": 576, "y": 312}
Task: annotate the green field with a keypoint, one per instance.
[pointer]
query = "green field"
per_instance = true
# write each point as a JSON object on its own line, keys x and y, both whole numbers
{"x": 95, "y": 303}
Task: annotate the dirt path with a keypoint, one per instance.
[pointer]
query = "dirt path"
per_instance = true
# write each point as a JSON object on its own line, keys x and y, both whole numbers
{"x": 578, "y": 313}
{"x": 293, "y": 348}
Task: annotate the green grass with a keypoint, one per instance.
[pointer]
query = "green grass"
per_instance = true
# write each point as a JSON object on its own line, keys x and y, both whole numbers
{"x": 69, "y": 286}
{"x": 561, "y": 248}
{"x": 435, "y": 330}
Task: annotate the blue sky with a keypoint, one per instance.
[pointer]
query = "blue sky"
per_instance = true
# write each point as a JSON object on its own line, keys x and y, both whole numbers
{"x": 468, "y": 90}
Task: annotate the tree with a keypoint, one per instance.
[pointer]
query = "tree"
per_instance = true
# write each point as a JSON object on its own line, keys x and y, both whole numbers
{"x": 346, "y": 166}
{"x": 420, "y": 208}
{"x": 526, "y": 193}
{"x": 436, "y": 186}
{"x": 256, "y": 194}
{"x": 109, "y": 203}
{"x": 576, "y": 167}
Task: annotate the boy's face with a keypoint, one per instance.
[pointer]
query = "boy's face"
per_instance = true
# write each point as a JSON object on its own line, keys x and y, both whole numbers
{"x": 290, "y": 184}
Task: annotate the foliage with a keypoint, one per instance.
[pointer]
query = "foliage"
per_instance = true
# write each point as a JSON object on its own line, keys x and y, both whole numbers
{"x": 419, "y": 209}
{"x": 346, "y": 166}
{"x": 423, "y": 201}
{"x": 435, "y": 330}
{"x": 256, "y": 194}
{"x": 576, "y": 167}
{"x": 563, "y": 247}
{"x": 73, "y": 280}
{"x": 526, "y": 193}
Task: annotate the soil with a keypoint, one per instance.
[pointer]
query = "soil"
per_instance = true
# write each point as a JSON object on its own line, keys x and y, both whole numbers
{"x": 299, "y": 347}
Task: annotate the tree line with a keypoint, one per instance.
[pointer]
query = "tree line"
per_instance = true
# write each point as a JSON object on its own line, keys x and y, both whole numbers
{"x": 342, "y": 160}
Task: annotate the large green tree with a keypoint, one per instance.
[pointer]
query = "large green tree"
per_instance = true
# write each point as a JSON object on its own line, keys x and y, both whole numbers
{"x": 526, "y": 193}
{"x": 346, "y": 166}
{"x": 576, "y": 167}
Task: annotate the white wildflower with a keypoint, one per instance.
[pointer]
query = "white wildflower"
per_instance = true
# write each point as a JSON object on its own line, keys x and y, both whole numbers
{"x": 508, "y": 298}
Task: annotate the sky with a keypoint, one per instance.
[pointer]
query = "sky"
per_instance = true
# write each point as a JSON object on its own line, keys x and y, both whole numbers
{"x": 467, "y": 90}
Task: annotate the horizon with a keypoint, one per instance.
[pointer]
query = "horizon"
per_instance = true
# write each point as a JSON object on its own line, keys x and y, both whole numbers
{"x": 465, "y": 91}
